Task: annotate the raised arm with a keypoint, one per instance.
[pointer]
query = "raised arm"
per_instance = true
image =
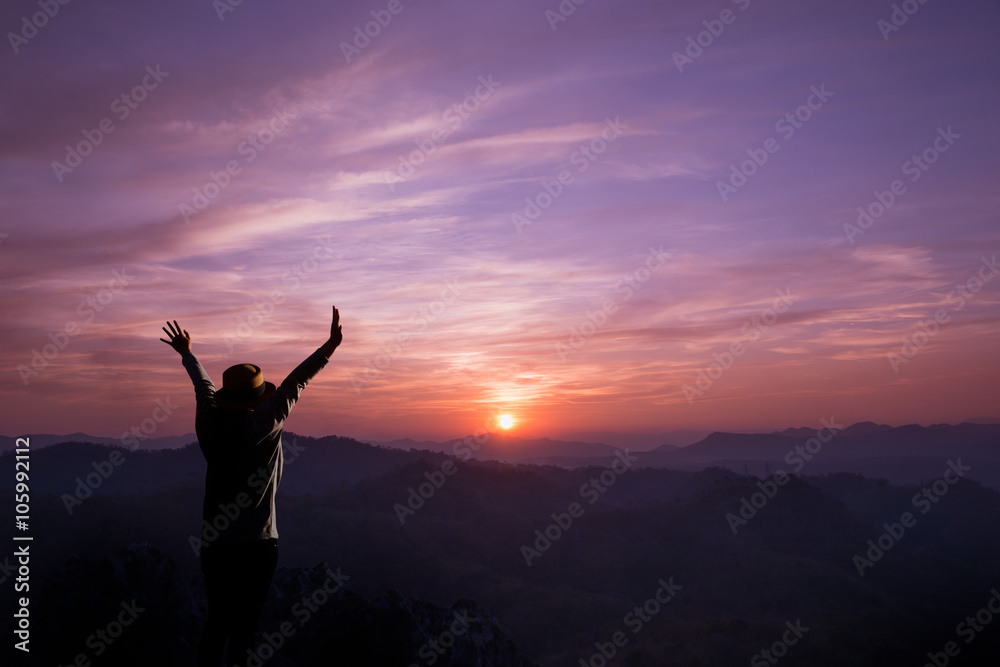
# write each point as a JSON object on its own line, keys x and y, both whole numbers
{"x": 336, "y": 335}
{"x": 204, "y": 388}
{"x": 273, "y": 412}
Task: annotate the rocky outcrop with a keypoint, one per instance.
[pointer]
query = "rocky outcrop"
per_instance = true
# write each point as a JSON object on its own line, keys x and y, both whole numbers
{"x": 133, "y": 607}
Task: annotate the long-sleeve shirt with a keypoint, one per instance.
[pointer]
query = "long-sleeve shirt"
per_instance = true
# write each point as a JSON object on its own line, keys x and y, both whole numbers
{"x": 243, "y": 452}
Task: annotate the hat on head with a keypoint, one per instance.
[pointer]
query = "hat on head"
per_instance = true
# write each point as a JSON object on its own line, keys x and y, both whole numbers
{"x": 243, "y": 388}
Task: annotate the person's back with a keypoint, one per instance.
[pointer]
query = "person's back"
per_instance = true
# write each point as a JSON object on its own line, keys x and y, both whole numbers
{"x": 241, "y": 479}
{"x": 240, "y": 437}
{"x": 239, "y": 432}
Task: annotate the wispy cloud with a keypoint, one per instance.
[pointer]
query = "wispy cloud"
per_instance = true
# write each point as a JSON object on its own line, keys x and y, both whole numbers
{"x": 392, "y": 248}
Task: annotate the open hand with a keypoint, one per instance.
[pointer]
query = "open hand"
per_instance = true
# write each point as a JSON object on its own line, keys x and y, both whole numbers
{"x": 180, "y": 340}
{"x": 336, "y": 334}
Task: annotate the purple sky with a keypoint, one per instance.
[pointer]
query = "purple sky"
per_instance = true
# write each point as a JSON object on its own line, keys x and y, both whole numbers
{"x": 401, "y": 230}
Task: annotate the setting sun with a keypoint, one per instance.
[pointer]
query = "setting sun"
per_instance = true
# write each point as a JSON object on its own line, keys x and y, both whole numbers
{"x": 506, "y": 421}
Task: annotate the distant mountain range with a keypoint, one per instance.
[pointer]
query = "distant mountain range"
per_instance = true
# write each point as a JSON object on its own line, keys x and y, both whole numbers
{"x": 903, "y": 454}
{"x": 639, "y": 441}
{"x": 48, "y": 439}
{"x": 510, "y": 448}
{"x": 123, "y": 532}
{"x": 635, "y": 441}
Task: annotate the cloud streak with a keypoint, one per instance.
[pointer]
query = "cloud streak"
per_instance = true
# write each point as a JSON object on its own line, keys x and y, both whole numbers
{"x": 393, "y": 242}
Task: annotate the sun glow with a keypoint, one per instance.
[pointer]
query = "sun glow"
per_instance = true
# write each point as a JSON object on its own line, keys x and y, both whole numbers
{"x": 506, "y": 421}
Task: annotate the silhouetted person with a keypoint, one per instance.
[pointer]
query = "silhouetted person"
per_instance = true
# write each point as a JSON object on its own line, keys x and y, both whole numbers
{"x": 239, "y": 432}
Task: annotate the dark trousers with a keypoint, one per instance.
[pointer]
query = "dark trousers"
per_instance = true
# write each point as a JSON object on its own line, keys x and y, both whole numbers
{"x": 237, "y": 577}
